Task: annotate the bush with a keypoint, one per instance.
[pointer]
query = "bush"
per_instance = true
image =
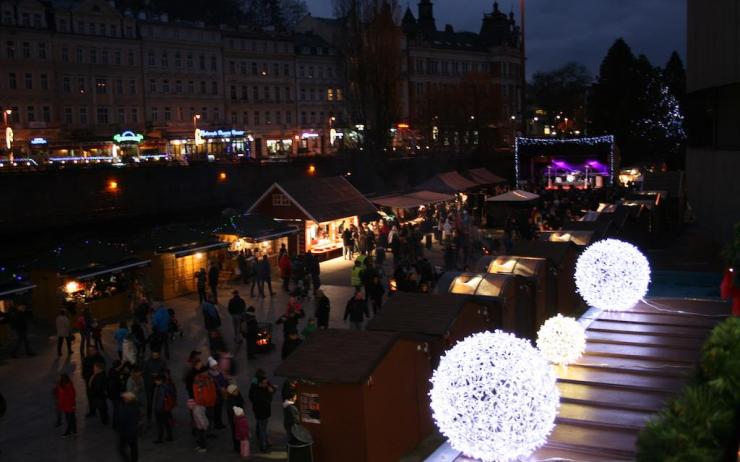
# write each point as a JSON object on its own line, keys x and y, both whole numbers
{"x": 700, "y": 424}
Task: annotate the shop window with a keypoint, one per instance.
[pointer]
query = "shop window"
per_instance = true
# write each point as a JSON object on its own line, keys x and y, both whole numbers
{"x": 280, "y": 200}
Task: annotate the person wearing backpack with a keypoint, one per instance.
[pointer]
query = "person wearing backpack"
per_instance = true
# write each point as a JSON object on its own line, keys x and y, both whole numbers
{"x": 200, "y": 424}
{"x": 204, "y": 392}
{"x": 164, "y": 403}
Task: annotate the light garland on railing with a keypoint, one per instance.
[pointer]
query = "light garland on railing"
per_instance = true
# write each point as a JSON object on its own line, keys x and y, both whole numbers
{"x": 562, "y": 340}
{"x": 590, "y": 141}
{"x": 494, "y": 397}
{"x": 612, "y": 275}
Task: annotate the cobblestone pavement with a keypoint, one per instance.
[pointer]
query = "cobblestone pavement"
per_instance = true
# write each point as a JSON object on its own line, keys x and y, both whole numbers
{"x": 27, "y": 431}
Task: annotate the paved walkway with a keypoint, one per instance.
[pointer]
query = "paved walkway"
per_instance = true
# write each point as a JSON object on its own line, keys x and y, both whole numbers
{"x": 27, "y": 431}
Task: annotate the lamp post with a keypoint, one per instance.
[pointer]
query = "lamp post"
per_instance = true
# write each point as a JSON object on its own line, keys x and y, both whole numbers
{"x": 196, "y": 118}
{"x": 8, "y": 134}
{"x": 196, "y": 137}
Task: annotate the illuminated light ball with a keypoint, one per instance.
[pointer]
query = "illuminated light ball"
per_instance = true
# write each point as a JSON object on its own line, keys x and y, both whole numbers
{"x": 561, "y": 340}
{"x": 494, "y": 397}
{"x": 612, "y": 275}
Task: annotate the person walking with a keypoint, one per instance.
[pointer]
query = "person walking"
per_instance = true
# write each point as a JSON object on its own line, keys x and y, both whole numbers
{"x": 237, "y": 310}
{"x": 251, "y": 264}
{"x": 241, "y": 432}
{"x": 115, "y": 383}
{"x": 285, "y": 267}
{"x": 64, "y": 332}
{"x": 356, "y": 310}
{"x": 250, "y": 328}
{"x": 323, "y": 308}
{"x": 201, "y": 278}
{"x": 213, "y": 274}
{"x": 119, "y": 336}
{"x": 264, "y": 276}
{"x": 204, "y": 390}
{"x": 260, "y": 395}
{"x": 88, "y": 369}
{"x": 67, "y": 403}
{"x": 161, "y": 326}
{"x": 356, "y": 276}
{"x": 375, "y": 292}
{"x": 347, "y": 244}
{"x": 97, "y": 388}
{"x": 127, "y": 427}
{"x": 219, "y": 381}
{"x": 135, "y": 385}
{"x": 290, "y": 319}
{"x": 152, "y": 368}
{"x": 290, "y": 418}
{"x": 200, "y": 424}
{"x": 211, "y": 318}
{"x": 164, "y": 402}
{"x": 234, "y": 400}
{"x": 19, "y": 321}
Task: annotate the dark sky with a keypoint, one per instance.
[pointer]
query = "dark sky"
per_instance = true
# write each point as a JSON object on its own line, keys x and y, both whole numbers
{"x": 572, "y": 30}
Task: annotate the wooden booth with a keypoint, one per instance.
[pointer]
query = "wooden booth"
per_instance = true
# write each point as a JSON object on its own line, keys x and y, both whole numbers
{"x": 259, "y": 234}
{"x": 506, "y": 300}
{"x": 517, "y": 204}
{"x": 431, "y": 324}
{"x": 561, "y": 260}
{"x": 102, "y": 277}
{"x": 176, "y": 254}
{"x": 15, "y": 290}
{"x": 580, "y": 238}
{"x": 533, "y": 270}
{"x": 600, "y": 227}
{"x": 357, "y": 394}
{"x": 321, "y": 208}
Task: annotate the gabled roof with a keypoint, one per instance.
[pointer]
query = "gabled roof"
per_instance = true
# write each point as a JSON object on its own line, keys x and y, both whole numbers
{"x": 516, "y": 195}
{"x": 447, "y": 183}
{"x": 553, "y": 251}
{"x": 323, "y": 199}
{"x": 254, "y": 228}
{"x": 178, "y": 239}
{"x": 484, "y": 176}
{"x": 418, "y": 314}
{"x": 87, "y": 259}
{"x": 411, "y": 199}
{"x": 338, "y": 356}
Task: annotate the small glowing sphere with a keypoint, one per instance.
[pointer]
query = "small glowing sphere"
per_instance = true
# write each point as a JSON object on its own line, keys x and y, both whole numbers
{"x": 561, "y": 340}
{"x": 112, "y": 185}
{"x": 612, "y": 275}
{"x": 222, "y": 176}
{"x": 494, "y": 397}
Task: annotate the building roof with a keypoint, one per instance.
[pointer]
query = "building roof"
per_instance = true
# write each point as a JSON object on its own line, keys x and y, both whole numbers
{"x": 424, "y": 314}
{"x": 87, "y": 259}
{"x": 324, "y": 199}
{"x": 671, "y": 182}
{"x": 553, "y": 251}
{"x": 313, "y": 42}
{"x": 411, "y": 200}
{"x": 484, "y": 176}
{"x": 516, "y": 195}
{"x": 253, "y": 227}
{"x": 447, "y": 183}
{"x": 340, "y": 356}
{"x": 178, "y": 239}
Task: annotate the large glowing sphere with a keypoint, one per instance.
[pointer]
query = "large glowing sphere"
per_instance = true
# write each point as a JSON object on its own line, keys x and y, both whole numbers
{"x": 561, "y": 340}
{"x": 612, "y": 275}
{"x": 494, "y": 397}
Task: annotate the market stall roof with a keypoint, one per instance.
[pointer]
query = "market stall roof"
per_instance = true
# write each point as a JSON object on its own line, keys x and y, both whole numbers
{"x": 424, "y": 314}
{"x": 88, "y": 259}
{"x": 516, "y": 195}
{"x": 411, "y": 200}
{"x": 447, "y": 183}
{"x": 600, "y": 226}
{"x": 338, "y": 356}
{"x": 483, "y": 176}
{"x": 578, "y": 237}
{"x": 323, "y": 199}
{"x": 178, "y": 239}
{"x": 254, "y": 228}
{"x": 553, "y": 251}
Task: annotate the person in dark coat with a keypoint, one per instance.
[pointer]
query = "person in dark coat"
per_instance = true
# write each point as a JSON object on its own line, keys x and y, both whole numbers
{"x": 152, "y": 367}
{"x": 290, "y": 418}
{"x": 264, "y": 276}
{"x": 251, "y": 328}
{"x": 314, "y": 270}
{"x": 19, "y": 321}
{"x": 97, "y": 392}
{"x": 290, "y": 321}
{"x": 127, "y": 427}
{"x": 234, "y": 399}
{"x": 356, "y": 311}
{"x": 375, "y": 293}
{"x": 260, "y": 395}
{"x": 291, "y": 342}
{"x": 201, "y": 277}
{"x": 164, "y": 401}
{"x": 213, "y": 273}
{"x": 237, "y": 307}
{"x": 115, "y": 382}
{"x": 323, "y": 307}
{"x": 88, "y": 362}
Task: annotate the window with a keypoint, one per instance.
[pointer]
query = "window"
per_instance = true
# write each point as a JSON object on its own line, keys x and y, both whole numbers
{"x": 255, "y": 94}
{"x": 81, "y": 84}
{"x": 36, "y": 20}
{"x": 268, "y": 117}
{"x": 26, "y": 19}
{"x": 150, "y": 58}
{"x": 152, "y": 86}
{"x": 178, "y": 60}
{"x": 134, "y": 115}
{"x": 15, "y": 116}
{"x": 286, "y": 70}
{"x": 266, "y": 93}
{"x": 256, "y": 118}
{"x": 46, "y": 113}
{"x": 102, "y": 29}
{"x": 65, "y": 55}
{"x": 245, "y": 118}
{"x": 165, "y": 86}
{"x": 276, "y": 70}
{"x": 278, "y": 117}
{"x": 30, "y": 114}
{"x": 214, "y": 87}
{"x": 165, "y": 59}
{"x": 101, "y": 86}
{"x": 191, "y": 86}
{"x": 102, "y": 115}
{"x": 204, "y": 113}
{"x": 29, "y": 82}
{"x": 340, "y": 97}
{"x": 129, "y": 31}
{"x": 232, "y": 67}
{"x": 287, "y": 94}
{"x": 245, "y": 93}
{"x": 113, "y": 30}
{"x": 288, "y": 117}
{"x": 233, "y": 92}
{"x": 66, "y": 85}
{"x": 214, "y": 63}
{"x": 234, "y": 120}
{"x": 79, "y": 55}
{"x": 254, "y": 68}
{"x": 7, "y": 17}
{"x": 301, "y": 71}
{"x": 276, "y": 93}
{"x": 10, "y": 49}
{"x": 243, "y": 67}
{"x": 26, "y": 50}
{"x": 167, "y": 114}
{"x": 202, "y": 62}
{"x": 203, "y": 87}
{"x": 178, "y": 86}
{"x": 68, "y": 115}
{"x": 330, "y": 94}
{"x": 12, "y": 82}
{"x": 303, "y": 94}
{"x": 155, "y": 114}
{"x": 119, "y": 87}
{"x": 280, "y": 200}
{"x": 310, "y": 72}
{"x": 104, "y": 56}
{"x": 190, "y": 60}
{"x": 80, "y": 27}
{"x": 42, "y": 50}
{"x": 44, "y": 82}
{"x": 131, "y": 59}
{"x": 132, "y": 87}
{"x": 93, "y": 56}
{"x": 303, "y": 119}
{"x": 312, "y": 94}
{"x": 216, "y": 114}
{"x": 63, "y": 27}
{"x": 121, "y": 117}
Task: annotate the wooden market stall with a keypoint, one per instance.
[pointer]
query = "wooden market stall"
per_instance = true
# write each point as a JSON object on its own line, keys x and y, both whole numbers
{"x": 259, "y": 234}
{"x": 176, "y": 254}
{"x": 102, "y": 277}
{"x": 447, "y": 183}
{"x": 534, "y": 270}
{"x": 357, "y": 394}
{"x": 321, "y": 208}
{"x": 561, "y": 260}
{"x": 506, "y": 300}
{"x": 516, "y": 203}
{"x": 410, "y": 207}
{"x": 430, "y": 324}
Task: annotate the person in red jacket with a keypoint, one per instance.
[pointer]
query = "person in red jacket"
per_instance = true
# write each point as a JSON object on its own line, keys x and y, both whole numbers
{"x": 286, "y": 268}
{"x": 67, "y": 403}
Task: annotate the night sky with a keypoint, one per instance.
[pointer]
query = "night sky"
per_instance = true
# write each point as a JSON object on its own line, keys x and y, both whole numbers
{"x": 572, "y": 30}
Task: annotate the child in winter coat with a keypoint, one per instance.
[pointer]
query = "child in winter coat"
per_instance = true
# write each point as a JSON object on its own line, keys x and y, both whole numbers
{"x": 241, "y": 431}
{"x": 200, "y": 424}
{"x": 66, "y": 402}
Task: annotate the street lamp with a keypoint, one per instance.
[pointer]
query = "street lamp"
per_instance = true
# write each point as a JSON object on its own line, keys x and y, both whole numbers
{"x": 196, "y": 118}
{"x": 8, "y": 135}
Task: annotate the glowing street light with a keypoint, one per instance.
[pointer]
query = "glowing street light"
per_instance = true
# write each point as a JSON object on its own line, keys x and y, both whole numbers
{"x": 196, "y": 118}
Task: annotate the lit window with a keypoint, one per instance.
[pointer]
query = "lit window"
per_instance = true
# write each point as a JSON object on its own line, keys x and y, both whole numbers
{"x": 280, "y": 200}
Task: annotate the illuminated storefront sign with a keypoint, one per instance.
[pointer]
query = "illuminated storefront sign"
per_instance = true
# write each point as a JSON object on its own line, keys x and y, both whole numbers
{"x": 221, "y": 133}
{"x": 128, "y": 137}
{"x": 38, "y": 141}
{"x": 306, "y": 135}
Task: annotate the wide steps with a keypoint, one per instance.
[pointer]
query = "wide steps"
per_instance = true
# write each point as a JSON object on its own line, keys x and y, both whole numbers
{"x": 624, "y": 379}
